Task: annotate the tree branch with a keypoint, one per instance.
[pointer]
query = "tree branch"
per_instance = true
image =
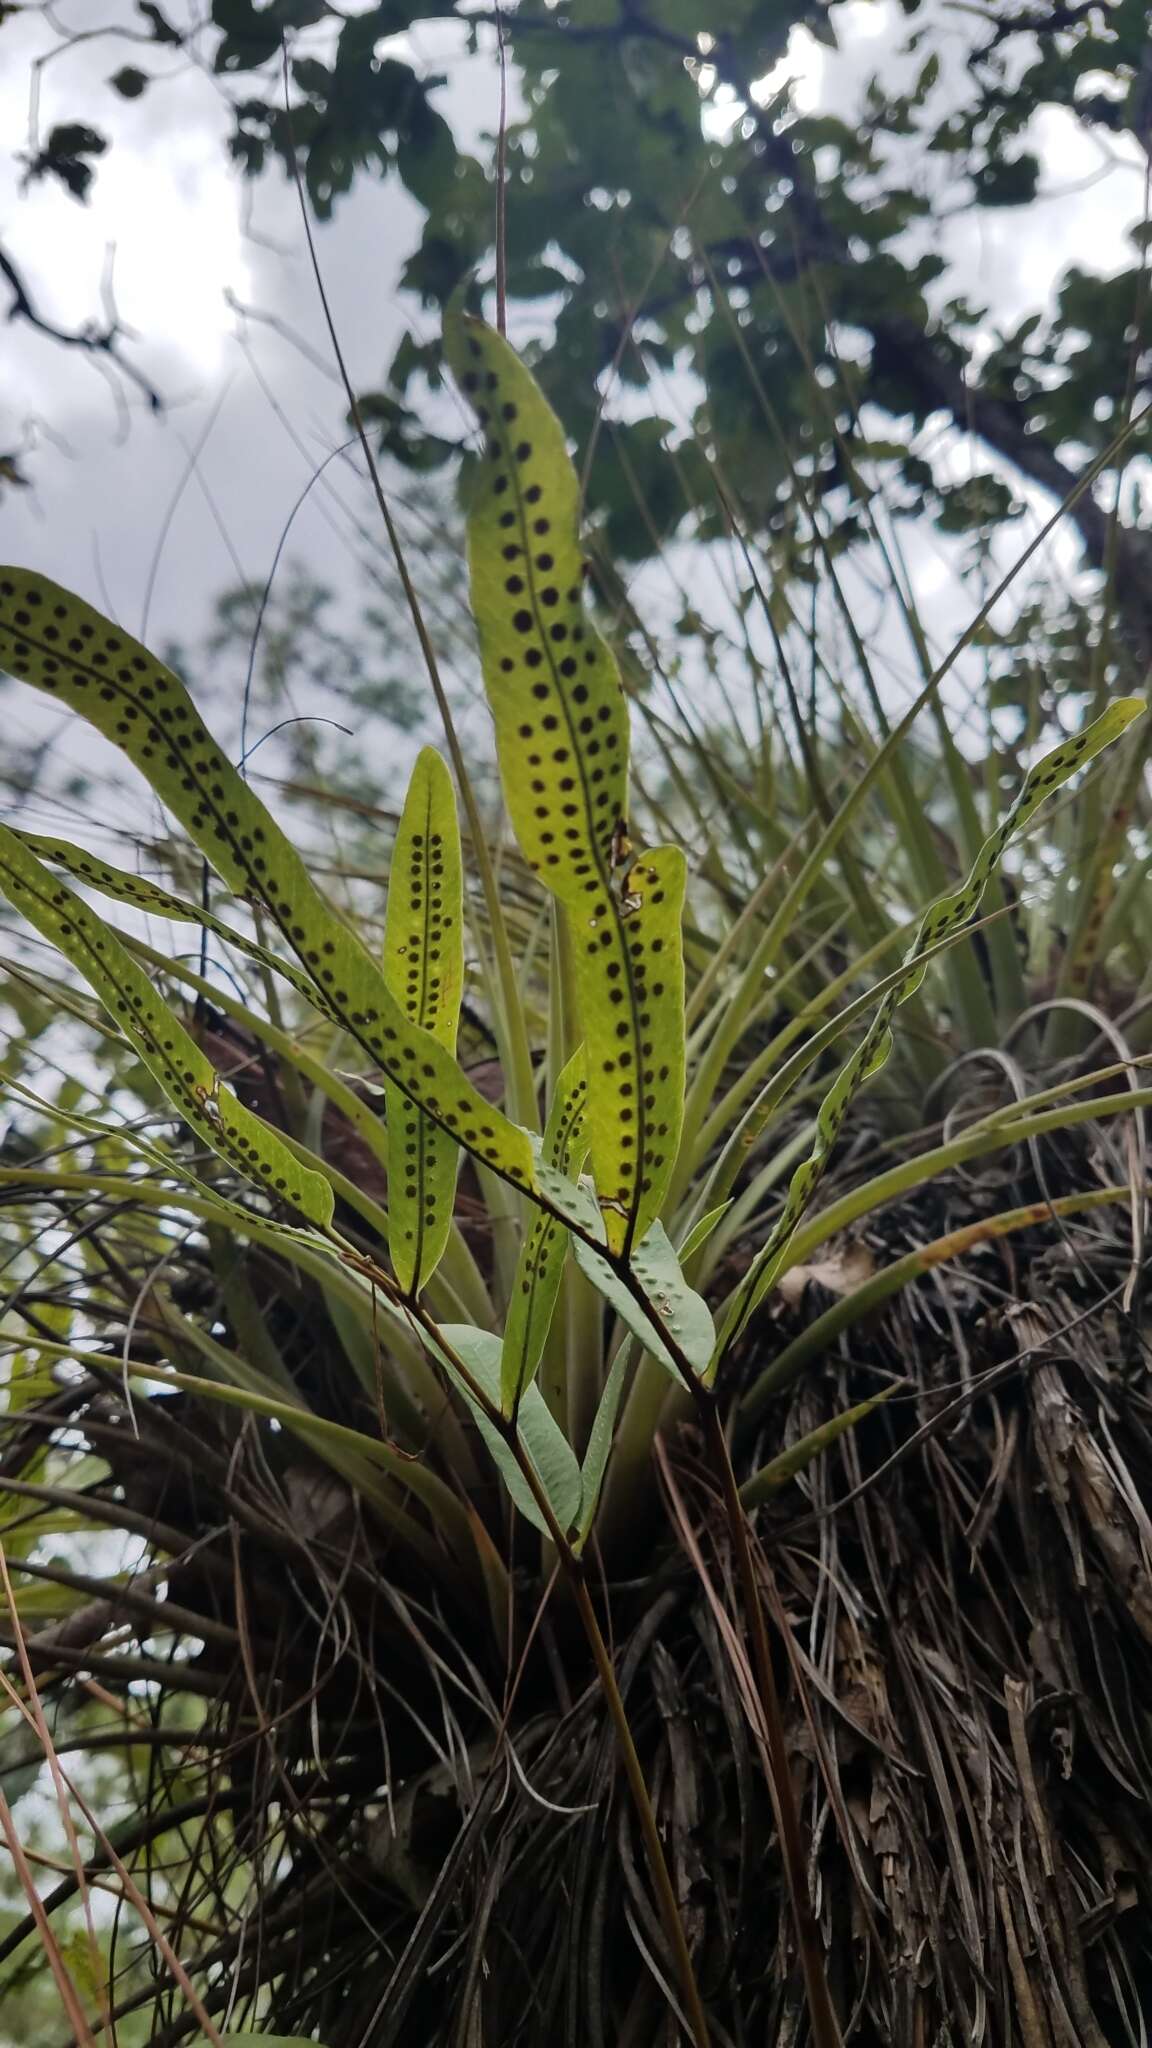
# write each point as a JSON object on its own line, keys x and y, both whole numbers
{"x": 631, "y": 25}
{"x": 1055, "y": 20}
{"x": 102, "y": 342}
{"x": 943, "y": 386}
{"x": 1003, "y": 427}
{"x": 900, "y": 344}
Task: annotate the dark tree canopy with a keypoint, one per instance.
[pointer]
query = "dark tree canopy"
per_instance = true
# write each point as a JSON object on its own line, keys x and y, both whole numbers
{"x": 673, "y": 208}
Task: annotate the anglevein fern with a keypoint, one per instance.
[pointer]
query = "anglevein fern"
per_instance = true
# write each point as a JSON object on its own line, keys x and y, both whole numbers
{"x": 424, "y": 968}
{"x": 123, "y": 887}
{"x": 61, "y": 645}
{"x": 172, "y": 1056}
{"x": 562, "y": 739}
{"x": 543, "y": 1252}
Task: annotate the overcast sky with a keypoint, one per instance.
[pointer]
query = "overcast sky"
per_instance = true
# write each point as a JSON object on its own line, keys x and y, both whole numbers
{"x": 114, "y": 509}
{"x": 186, "y": 233}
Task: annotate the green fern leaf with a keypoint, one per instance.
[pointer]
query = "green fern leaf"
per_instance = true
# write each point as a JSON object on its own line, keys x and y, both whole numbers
{"x": 61, "y": 645}
{"x": 188, "y": 1079}
{"x": 630, "y": 987}
{"x": 124, "y": 887}
{"x": 541, "y": 1263}
{"x": 424, "y": 968}
{"x": 562, "y": 739}
{"x": 551, "y": 1456}
{"x": 671, "y": 1304}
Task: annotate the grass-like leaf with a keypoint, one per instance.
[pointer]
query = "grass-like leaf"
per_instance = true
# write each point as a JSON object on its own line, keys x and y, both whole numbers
{"x": 945, "y": 915}
{"x": 790, "y": 1463}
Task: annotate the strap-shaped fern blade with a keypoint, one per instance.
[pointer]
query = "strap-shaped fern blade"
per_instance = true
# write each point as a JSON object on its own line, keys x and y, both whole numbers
{"x": 668, "y": 1304}
{"x": 424, "y": 967}
{"x": 551, "y": 679}
{"x": 653, "y": 1298}
{"x": 946, "y": 915}
{"x": 123, "y": 887}
{"x": 541, "y": 1263}
{"x": 630, "y": 984}
{"x": 562, "y": 738}
{"x": 552, "y": 1458}
{"x": 61, "y": 645}
{"x": 187, "y": 1078}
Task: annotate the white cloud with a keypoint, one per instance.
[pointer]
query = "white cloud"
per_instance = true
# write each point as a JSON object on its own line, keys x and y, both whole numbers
{"x": 164, "y": 203}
